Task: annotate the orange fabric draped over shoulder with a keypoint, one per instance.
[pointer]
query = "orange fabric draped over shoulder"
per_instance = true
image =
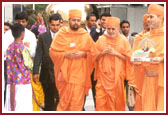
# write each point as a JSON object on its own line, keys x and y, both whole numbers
{"x": 110, "y": 71}
{"x": 153, "y": 87}
{"x": 72, "y": 73}
{"x": 139, "y": 72}
{"x": 61, "y": 44}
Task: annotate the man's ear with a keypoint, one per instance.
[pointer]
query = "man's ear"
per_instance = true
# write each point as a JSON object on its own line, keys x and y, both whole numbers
{"x": 161, "y": 19}
{"x": 23, "y": 34}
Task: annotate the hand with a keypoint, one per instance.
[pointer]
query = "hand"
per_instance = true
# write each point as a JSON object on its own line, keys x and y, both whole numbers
{"x": 106, "y": 51}
{"x": 113, "y": 51}
{"x": 136, "y": 63}
{"x": 98, "y": 24}
{"x": 70, "y": 55}
{"x": 35, "y": 78}
{"x": 41, "y": 20}
{"x": 110, "y": 50}
{"x": 156, "y": 60}
{"x": 75, "y": 54}
{"x": 42, "y": 105}
{"x": 80, "y": 54}
{"x": 27, "y": 44}
{"x": 151, "y": 73}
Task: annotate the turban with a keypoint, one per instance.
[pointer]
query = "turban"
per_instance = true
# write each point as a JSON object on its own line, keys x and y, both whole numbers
{"x": 113, "y": 21}
{"x": 156, "y": 9}
{"x": 75, "y": 13}
{"x": 145, "y": 18}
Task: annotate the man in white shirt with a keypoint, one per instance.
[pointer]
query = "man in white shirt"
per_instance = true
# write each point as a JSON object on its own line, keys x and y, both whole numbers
{"x": 29, "y": 38}
{"x": 90, "y": 22}
{"x": 125, "y": 28}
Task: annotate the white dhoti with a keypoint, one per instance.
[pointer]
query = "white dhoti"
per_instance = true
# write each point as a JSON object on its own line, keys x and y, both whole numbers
{"x": 23, "y": 98}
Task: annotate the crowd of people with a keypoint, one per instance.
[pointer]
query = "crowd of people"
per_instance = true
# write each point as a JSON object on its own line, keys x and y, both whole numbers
{"x": 53, "y": 69}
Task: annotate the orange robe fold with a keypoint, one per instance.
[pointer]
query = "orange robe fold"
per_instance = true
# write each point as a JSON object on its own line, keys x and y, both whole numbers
{"x": 72, "y": 71}
{"x": 110, "y": 72}
{"x": 139, "y": 73}
{"x": 153, "y": 87}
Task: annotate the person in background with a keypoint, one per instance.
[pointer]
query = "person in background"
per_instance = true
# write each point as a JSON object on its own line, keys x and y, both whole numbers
{"x": 90, "y": 22}
{"x": 139, "y": 69}
{"x": 100, "y": 27}
{"x": 39, "y": 26}
{"x": 61, "y": 21}
{"x": 125, "y": 29}
{"x": 139, "y": 36}
{"x": 29, "y": 38}
{"x": 43, "y": 59}
{"x": 7, "y": 26}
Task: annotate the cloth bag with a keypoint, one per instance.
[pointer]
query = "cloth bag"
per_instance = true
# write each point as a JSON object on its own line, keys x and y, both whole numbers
{"x": 38, "y": 93}
{"x": 131, "y": 97}
{"x": 28, "y": 60}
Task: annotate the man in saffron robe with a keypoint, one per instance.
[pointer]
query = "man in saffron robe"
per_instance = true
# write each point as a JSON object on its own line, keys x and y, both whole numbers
{"x": 139, "y": 69}
{"x": 72, "y": 53}
{"x": 153, "y": 86}
{"x": 112, "y": 67}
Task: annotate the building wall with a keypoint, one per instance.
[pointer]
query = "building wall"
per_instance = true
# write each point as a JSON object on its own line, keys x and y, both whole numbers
{"x": 8, "y": 13}
{"x": 135, "y": 17}
{"x": 134, "y": 14}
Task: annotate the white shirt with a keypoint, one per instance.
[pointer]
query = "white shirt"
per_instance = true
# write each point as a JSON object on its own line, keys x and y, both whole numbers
{"x": 53, "y": 34}
{"x": 87, "y": 29}
{"x": 98, "y": 31}
{"x": 128, "y": 37}
{"x": 29, "y": 37}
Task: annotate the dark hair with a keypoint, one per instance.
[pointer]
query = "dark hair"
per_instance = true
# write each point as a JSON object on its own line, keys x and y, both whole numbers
{"x": 55, "y": 17}
{"x": 105, "y": 14}
{"x": 134, "y": 33}
{"x": 124, "y": 21}
{"x": 89, "y": 15}
{"x": 17, "y": 29}
{"x": 8, "y": 24}
{"x": 21, "y": 16}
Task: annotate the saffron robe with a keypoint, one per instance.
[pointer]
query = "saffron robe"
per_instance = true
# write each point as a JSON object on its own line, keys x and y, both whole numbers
{"x": 153, "y": 87}
{"x": 110, "y": 72}
{"x": 139, "y": 73}
{"x": 72, "y": 75}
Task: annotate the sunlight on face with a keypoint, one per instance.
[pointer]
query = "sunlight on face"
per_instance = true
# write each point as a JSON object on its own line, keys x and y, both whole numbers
{"x": 153, "y": 21}
{"x": 112, "y": 31}
{"x": 75, "y": 23}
